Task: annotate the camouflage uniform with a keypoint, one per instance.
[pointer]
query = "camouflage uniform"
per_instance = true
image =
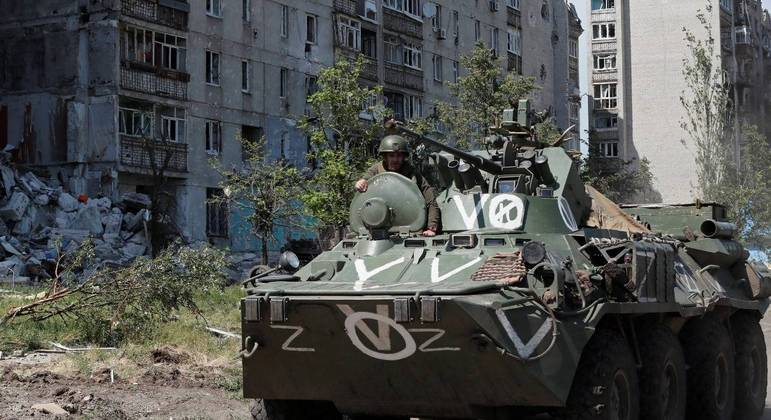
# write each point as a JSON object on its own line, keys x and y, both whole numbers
{"x": 428, "y": 191}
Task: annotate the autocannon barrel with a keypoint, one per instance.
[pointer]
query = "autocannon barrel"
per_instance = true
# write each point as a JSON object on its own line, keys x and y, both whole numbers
{"x": 484, "y": 164}
{"x": 714, "y": 229}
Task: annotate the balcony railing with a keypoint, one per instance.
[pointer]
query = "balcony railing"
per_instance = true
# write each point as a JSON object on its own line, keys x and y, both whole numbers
{"x": 148, "y": 154}
{"x": 399, "y": 22}
{"x": 172, "y": 13}
{"x": 398, "y": 75}
{"x": 348, "y": 7}
{"x": 513, "y": 17}
{"x": 153, "y": 80}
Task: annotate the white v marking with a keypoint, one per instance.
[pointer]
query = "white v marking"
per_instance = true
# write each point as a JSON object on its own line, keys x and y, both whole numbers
{"x": 436, "y": 278}
{"x": 524, "y": 350}
{"x": 470, "y": 220}
{"x": 364, "y": 274}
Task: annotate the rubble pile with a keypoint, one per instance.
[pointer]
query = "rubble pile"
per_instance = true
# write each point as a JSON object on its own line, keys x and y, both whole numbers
{"x": 36, "y": 215}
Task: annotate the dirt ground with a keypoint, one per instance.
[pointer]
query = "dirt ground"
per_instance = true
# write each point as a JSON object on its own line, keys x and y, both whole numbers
{"x": 163, "y": 390}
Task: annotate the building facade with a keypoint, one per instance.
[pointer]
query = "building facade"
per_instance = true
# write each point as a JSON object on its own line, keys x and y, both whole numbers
{"x": 83, "y": 84}
{"x": 636, "y": 81}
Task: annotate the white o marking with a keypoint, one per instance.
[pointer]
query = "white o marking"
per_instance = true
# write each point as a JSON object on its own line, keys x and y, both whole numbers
{"x": 501, "y": 207}
{"x": 567, "y": 215}
{"x": 351, "y": 327}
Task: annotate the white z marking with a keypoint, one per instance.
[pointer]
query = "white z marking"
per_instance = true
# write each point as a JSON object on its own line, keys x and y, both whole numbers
{"x": 437, "y": 335}
{"x": 436, "y": 278}
{"x": 524, "y": 350}
{"x": 364, "y": 274}
{"x": 288, "y": 342}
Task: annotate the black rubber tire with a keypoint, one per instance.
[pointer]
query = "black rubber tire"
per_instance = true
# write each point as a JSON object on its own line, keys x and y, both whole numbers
{"x": 751, "y": 366}
{"x": 605, "y": 382}
{"x": 293, "y": 410}
{"x": 662, "y": 377}
{"x": 709, "y": 354}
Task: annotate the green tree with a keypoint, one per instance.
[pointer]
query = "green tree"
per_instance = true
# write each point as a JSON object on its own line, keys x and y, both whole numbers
{"x": 707, "y": 107}
{"x": 740, "y": 184}
{"x": 480, "y": 96}
{"x": 619, "y": 180}
{"x": 340, "y": 141}
{"x": 266, "y": 191}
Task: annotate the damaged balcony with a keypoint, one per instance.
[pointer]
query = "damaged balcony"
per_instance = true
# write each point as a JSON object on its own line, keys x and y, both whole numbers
{"x": 171, "y": 13}
{"x": 145, "y": 78}
{"x": 400, "y": 75}
{"x": 146, "y": 154}
{"x": 398, "y": 22}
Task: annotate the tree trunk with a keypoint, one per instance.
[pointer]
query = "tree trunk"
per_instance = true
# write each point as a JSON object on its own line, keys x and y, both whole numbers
{"x": 264, "y": 241}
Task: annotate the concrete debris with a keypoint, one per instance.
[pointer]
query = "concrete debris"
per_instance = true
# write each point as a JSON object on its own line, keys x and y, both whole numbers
{"x": 38, "y": 216}
{"x": 50, "y": 408}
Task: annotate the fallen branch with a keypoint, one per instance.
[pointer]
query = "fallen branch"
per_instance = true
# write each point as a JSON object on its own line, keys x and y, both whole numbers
{"x": 82, "y": 349}
{"x": 222, "y": 333}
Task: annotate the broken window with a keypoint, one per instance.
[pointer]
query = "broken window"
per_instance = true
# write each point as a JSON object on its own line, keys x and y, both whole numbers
{"x": 606, "y": 122}
{"x": 214, "y": 8}
{"x": 370, "y": 10}
{"x": 605, "y": 96}
{"x": 283, "y": 82}
{"x": 514, "y": 4}
{"x": 477, "y": 30}
{"x": 412, "y": 56}
{"x": 409, "y": 7}
{"x": 245, "y": 76}
{"x": 573, "y": 48}
{"x": 135, "y": 122}
{"x": 137, "y": 45}
{"x": 311, "y": 33}
{"x": 213, "y": 137}
{"x": 602, "y": 31}
{"x": 246, "y": 8}
{"x": 392, "y": 48}
{"x": 369, "y": 43}
{"x": 609, "y": 149}
{"x": 436, "y": 20}
{"x": 173, "y": 124}
{"x": 514, "y": 41}
{"x": 249, "y": 134}
{"x": 349, "y": 31}
{"x": 284, "y": 21}
{"x": 154, "y": 48}
{"x": 604, "y": 62}
{"x": 216, "y": 213}
{"x": 436, "y": 62}
{"x": 395, "y": 102}
{"x": 311, "y": 85}
{"x": 212, "y": 68}
{"x": 171, "y": 50}
{"x": 603, "y": 4}
{"x": 413, "y": 107}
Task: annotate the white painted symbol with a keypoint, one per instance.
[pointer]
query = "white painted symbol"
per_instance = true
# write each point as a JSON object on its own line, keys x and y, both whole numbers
{"x": 354, "y": 323}
{"x": 287, "y": 344}
{"x": 438, "y": 334}
{"x": 364, "y": 274}
{"x": 524, "y": 349}
{"x": 501, "y": 208}
{"x": 470, "y": 220}
{"x": 567, "y": 214}
{"x": 436, "y": 278}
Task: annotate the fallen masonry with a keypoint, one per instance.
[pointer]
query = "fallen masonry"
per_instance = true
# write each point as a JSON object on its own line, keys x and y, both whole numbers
{"x": 36, "y": 216}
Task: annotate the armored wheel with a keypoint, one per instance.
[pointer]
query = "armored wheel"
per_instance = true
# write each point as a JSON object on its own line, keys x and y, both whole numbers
{"x": 751, "y": 366}
{"x": 662, "y": 376}
{"x": 293, "y": 410}
{"x": 709, "y": 354}
{"x": 606, "y": 385}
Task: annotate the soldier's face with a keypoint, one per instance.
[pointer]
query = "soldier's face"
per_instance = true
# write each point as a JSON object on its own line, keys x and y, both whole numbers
{"x": 394, "y": 160}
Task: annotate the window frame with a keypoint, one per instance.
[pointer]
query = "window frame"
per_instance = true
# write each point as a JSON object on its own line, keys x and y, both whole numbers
{"x": 455, "y": 71}
{"x": 284, "y": 31}
{"x": 210, "y": 9}
{"x": 246, "y": 10}
{"x": 180, "y": 124}
{"x": 604, "y": 5}
{"x": 412, "y": 105}
{"x": 217, "y": 214}
{"x": 145, "y": 117}
{"x": 597, "y": 31}
{"x": 413, "y": 55}
{"x": 283, "y": 82}
{"x": 606, "y": 100}
{"x": 392, "y": 48}
{"x": 604, "y": 58}
{"x": 246, "y": 76}
{"x": 370, "y": 5}
{"x": 213, "y": 137}
{"x": 514, "y": 40}
{"x": 437, "y": 66}
{"x": 573, "y": 48}
{"x": 477, "y": 30}
{"x": 609, "y": 149}
{"x": 311, "y": 20}
{"x": 212, "y": 76}
{"x": 436, "y": 20}
{"x": 514, "y": 4}
{"x": 347, "y": 26}
{"x": 612, "y": 123}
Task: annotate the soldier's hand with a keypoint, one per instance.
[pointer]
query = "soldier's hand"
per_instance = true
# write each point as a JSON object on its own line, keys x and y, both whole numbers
{"x": 361, "y": 185}
{"x": 429, "y": 232}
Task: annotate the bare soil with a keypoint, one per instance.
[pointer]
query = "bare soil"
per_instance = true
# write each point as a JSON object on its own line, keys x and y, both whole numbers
{"x": 163, "y": 390}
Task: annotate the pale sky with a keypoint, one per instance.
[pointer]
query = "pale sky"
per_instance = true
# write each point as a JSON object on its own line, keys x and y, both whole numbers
{"x": 767, "y": 4}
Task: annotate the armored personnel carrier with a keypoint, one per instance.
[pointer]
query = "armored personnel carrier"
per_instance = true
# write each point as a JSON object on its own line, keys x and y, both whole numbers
{"x": 537, "y": 295}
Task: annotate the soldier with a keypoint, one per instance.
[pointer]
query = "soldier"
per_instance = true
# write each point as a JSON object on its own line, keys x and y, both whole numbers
{"x": 395, "y": 152}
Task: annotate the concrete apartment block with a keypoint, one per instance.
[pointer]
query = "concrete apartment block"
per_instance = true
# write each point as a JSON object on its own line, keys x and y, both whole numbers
{"x": 82, "y": 82}
{"x": 636, "y": 59}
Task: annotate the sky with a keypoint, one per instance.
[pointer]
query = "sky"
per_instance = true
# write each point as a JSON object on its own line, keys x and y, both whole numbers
{"x": 767, "y": 4}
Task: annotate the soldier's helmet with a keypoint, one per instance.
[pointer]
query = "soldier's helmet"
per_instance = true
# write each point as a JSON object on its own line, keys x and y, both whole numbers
{"x": 393, "y": 143}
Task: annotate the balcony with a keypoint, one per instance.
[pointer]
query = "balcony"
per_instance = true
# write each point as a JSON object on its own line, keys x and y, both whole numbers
{"x": 401, "y": 23}
{"x": 141, "y": 153}
{"x": 153, "y": 80}
{"x": 172, "y": 13}
{"x": 348, "y": 7}
{"x": 513, "y": 17}
{"x": 399, "y": 75}
{"x": 368, "y": 70}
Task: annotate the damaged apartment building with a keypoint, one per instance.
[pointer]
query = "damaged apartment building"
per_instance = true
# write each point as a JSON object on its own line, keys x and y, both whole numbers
{"x": 85, "y": 83}
{"x": 636, "y": 79}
